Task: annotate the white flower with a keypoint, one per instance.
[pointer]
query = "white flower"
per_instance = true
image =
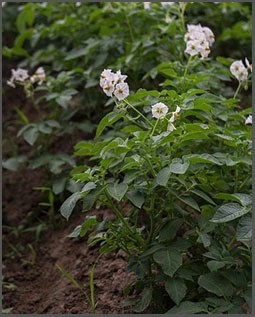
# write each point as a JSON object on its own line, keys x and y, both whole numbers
{"x": 106, "y": 76}
{"x": 208, "y": 34}
{"x": 248, "y": 65}
{"x": 121, "y": 91}
{"x": 119, "y": 78}
{"x": 39, "y": 76}
{"x": 166, "y": 4}
{"x": 175, "y": 114}
{"x": 78, "y": 4}
{"x": 194, "y": 28}
{"x": 204, "y": 50}
{"x": 159, "y": 110}
{"x": 108, "y": 88}
{"x": 249, "y": 120}
{"x": 19, "y": 75}
{"x": 238, "y": 69}
{"x": 10, "y": 83}
{"x": 147, "y": 5}
{"x": 193, "y": 47}
{"x": 195, "y": 35}
{"x": 171, "y": 127}
{"x": 168, "y": 19}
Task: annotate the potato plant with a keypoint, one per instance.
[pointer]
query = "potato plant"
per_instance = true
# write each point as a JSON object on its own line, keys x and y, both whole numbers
{"x": 174, "y": 164}
{"x": 164, "y": 87}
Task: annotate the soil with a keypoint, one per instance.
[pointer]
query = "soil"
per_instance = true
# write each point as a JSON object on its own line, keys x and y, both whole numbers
{"x": 39, "y": 287}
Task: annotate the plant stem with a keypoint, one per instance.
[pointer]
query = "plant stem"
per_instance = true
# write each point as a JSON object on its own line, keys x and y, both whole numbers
{"x": 181, "y": 16}
{"x": 237, "y": 90}
{"x": 138, "y": 112}
{"x": 120, "y": 216}
{"x": 130, "y": 28}
{"x": 236, "y": 179}
{"x": 231, "y": 243}
{"x": 187, "y": 67}
{"x": 154, "y": 128}
{"x": 150, "y": 211}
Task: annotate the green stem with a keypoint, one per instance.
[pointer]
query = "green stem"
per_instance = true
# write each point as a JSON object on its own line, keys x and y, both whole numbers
{"x": 121, "y": 218}
{"x": 182, "y": 11}
{"x": 236, "y": 179}
{"x": 237, "y": 90}
{"x": 187, "y": 67}
{"x": 150, "y": 211}
{"x": 130, "y": 28}
{"x": 231, "y": 243}
{"x": 154, "y": 128}
{"x": 137, "y": 111}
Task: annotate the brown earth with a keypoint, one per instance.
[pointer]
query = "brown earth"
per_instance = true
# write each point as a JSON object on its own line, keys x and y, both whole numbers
{"x": 40, "y": 287}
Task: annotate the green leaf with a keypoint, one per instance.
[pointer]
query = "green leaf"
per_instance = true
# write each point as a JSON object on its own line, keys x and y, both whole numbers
{"x": 75, "y": 233}
{"x": 7, "y": 310}
{"x": 216, "y": 284}
{"x": 176, "y": 289}
{"x": 243, "y": 199}
{"x": 203, "y": 195}
{"x": 90, "y": 198}
{"x": 44, "y": 128}
{"x": 214, "y": 265}
{"x": 22, "y": 116}
{"x": 202, "y": 158}
{"x": 59, "y": 185}
{"x": 244, "y": 229}
{"x": 189, "y": 201}
{"x": 90, "y": 222}
{"x": 68, "y": 276}
{"x": 169, "y": 229}
{"x": 203, "y": 104}
{"x": 77, "y": 52}
{"x": 163, "y": 176}
{"x": 87, "y": 187}
{"x": 188, "y": 308}
{"x": 169, "y": 260}
{"x": 177, "y": 167}
{"x": 204, "y": 238}
{"x": 219, "y": 304}
{"x": 63, "y": 101}
{"x": 229, "y": 212}
{"x": 107, "y": 121}
{"x": 138, "y": 266}
{"x": 31, "y": 135}
{"x": 136, "y": 197}
{"x": 145, "y": 301}
{"x": 69, "y": 204}
{"x": 14, "y": 163}
{"x": 52, "y": 123}
{"x": 117, "y": 190}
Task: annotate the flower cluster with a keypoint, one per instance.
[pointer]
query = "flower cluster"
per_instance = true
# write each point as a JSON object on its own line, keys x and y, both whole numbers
{"x": 21, "y": 76}
{"x": 159, "y": 111}
{"x": 239, "y": 70}
{"x": 198, "y": 40}
{"x": 114, "y": 84}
